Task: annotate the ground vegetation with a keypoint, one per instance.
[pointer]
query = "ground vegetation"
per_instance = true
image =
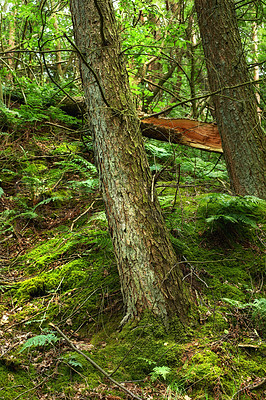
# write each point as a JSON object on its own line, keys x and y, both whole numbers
{"x": 60, "y": 295}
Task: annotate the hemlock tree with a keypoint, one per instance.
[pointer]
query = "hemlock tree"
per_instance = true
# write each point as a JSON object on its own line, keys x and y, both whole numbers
{"x": 148, "y": 269}
{"x": 242, "y": 136}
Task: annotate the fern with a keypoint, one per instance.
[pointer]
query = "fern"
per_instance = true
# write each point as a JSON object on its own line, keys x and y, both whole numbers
{"x": 7, "y": 116}
{"x": 86, "y": 186}
{"x": 77, "y": 163}
{"x": 72, "y": 360}
{"x": 56, "y": 197}
{"x": 236, "y": 303}
{"x": 162, "y": 152}
{"x": 158, "y": 372}
{"x": 8, "y": 217}
{"x": 39, "y": 341}
{"x": 222, "y": 211}
{"x": 99, "y": 216}
{"x": 257, "y": 307}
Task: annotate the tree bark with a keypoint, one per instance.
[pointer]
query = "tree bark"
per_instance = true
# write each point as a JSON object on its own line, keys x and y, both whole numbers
{"x": 243, "y": 138}
{"x": 147, "y": 264}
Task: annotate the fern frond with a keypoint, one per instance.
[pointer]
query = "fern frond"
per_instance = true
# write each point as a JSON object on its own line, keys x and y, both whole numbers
{"x": 39, "y": 341}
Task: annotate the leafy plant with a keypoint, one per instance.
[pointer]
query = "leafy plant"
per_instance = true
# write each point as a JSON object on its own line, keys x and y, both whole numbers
{"x": 7, "y": 116}
{"x": 177, "y": 387}
{"x": 257, "y": 308}
{"x": 227, "y": 213}
{"x": 72, "y": 360}
{"x": 39, "y": 341}
{"x": 87, "y": 186}
{"x": 160, "y": 372}
{"x": 8, "y": 217}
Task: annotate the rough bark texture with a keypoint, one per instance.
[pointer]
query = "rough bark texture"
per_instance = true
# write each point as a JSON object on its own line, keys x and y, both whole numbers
{"x": 243, "y": 138}
{"x": 150, "y": 278}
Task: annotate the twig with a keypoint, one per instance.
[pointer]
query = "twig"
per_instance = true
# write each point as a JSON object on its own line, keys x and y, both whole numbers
{"x": 250, "y": 387}
{"x": 60, "y": 126}
{"x": 203, "y": 97}
{"x": 81, "y": 215}
{"x": 7, "y": 238}
{"x": 35, "y": 387}
{"x": 192, "y": 269}
{"x": 94, "y": 364}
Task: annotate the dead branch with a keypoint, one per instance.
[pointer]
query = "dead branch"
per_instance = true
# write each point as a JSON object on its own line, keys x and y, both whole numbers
{"x": 94, "y": 364}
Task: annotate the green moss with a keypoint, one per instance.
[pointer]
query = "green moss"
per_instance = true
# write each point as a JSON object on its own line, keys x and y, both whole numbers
{"x": 64, "y": 243}
{"x": 16, "y": 382}
{"x": 75, "y": 284}
{"x": 33, "y": 287}
{"x": 249, "y": 367}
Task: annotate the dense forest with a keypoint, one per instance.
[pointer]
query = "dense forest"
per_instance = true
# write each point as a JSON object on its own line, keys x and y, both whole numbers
{"x": 132, "y": 199}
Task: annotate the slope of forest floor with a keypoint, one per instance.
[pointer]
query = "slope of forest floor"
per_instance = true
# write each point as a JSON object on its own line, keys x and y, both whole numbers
{"x": 58, "y": 266}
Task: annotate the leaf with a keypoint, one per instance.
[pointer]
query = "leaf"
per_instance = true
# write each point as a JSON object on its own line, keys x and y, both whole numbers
{"x": 39, "y": 341}
{"x": 160, "y": 372}
{"x": 235, "y": 303}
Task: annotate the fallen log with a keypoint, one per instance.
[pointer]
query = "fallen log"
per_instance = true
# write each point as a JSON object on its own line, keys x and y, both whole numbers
{"x": 204, "y": 136}
{"x": 189, "y": 132}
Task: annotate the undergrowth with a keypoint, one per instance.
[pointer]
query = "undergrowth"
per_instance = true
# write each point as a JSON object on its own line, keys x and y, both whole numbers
{"x": 58, "y": 267}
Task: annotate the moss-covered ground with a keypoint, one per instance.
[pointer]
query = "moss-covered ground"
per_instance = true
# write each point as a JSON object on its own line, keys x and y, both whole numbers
{"x": 58, "y": 266}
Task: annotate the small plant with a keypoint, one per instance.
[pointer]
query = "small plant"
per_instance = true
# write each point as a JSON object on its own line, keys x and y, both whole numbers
{"x": 39, "y": 341}
{"x": 160, "y": 372}
{"x": 230, "y": 214}
{"x": 177, "y": 388}
{"x": 72, "y": 360}
{"x": 257, "y": 308}
{"x": 8, "y": 218}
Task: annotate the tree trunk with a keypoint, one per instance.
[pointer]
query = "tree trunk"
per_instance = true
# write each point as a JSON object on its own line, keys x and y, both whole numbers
{"x": 256, "y": 72}
{"x": 149, "y": 274}
{"x": 243, "y": 138}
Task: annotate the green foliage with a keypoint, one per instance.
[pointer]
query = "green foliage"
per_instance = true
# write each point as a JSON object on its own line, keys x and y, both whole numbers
{"x": 259, "y": 309}
{"x": 255, "y": 310}
{"x": 56, "y": 114}
{"x": 67, "y": 271}
{"x": 162, "y": 151}
{"x": 39, "y": 341}
{"x": 8, "y": 219}
{"x": 160, "y": 372}
{"x": 7, "y": 116}
{"x": 27, "y": 113}
{"x": 87, "y": 186}
{"x": 73, "y": 360}
{"x": 224, "y": 212}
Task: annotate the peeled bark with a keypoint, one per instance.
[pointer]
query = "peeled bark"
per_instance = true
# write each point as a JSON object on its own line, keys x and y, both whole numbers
{"x": 243, "y": 138}
{"x": 149, "y": 274}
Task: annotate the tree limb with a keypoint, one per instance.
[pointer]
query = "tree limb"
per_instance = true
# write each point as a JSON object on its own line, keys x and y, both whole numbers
{"x": 204, "y": 96}
{"x": 94, "y": 364}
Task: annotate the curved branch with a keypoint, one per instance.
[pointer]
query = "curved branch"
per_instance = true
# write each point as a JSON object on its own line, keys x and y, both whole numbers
{"x": 95, "y": 365}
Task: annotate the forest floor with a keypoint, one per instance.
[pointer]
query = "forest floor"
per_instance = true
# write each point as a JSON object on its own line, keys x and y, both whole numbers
{"x": 58, "y": 266}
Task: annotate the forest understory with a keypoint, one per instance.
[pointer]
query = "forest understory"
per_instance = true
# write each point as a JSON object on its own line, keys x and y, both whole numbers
{"x": 58, "y": 266}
